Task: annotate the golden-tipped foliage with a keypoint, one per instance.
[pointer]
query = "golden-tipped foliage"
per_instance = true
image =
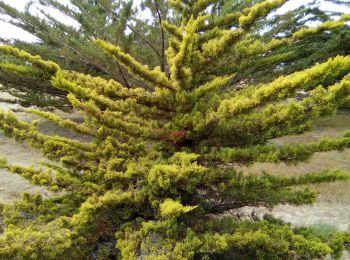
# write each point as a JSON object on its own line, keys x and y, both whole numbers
{"x": 157, "y": 176}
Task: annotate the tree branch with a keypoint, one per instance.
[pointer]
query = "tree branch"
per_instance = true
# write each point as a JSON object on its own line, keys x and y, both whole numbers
{"x": 162, "y": 36}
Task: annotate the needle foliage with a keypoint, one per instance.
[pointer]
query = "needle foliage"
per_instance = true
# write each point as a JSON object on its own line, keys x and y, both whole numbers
{"x": 157, "y": 180}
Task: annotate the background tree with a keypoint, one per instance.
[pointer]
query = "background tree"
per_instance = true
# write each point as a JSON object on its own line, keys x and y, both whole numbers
{"x": 72, "y": 46}
{"x": 28, "y": 86}
{"x": 118, "y": 22}
{"x": 157, "y": 179}
{"x": 286, "y": 58}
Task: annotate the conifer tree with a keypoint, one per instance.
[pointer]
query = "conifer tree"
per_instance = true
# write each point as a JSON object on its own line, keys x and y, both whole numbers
{"x": 71, "y": 46}
{"x": 158, "y": 179}
{"x": 119, "y": 23}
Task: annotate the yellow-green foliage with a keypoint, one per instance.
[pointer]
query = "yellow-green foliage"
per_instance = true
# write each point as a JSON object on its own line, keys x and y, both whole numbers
{"x": 250, "y": 15}
{"x": 172, "y": 208}
{"x": 152, "y": 76}
{"x": 35, "y": 60}
{"x": 157, "y": 176}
